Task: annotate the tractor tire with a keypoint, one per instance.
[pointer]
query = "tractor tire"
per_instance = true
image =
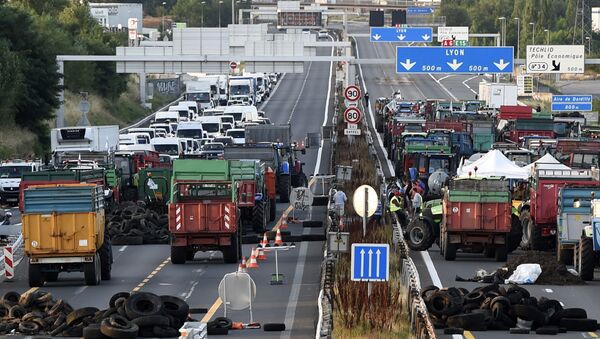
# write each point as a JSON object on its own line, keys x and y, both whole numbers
{"x": 91, "y": 271}
{"x": 525, "y": 223}
{"x": 536, "y": 241}
{"x": 420, "y": 235}
{"x": 231, "y": 252}
{"x": 284, "y": 188}
{"x": 105, "y": 258}
{"x": 36, "y": 277}
{"x": 273, "y": 209}
{"x": 515, "y": 235}
{"x": 501, "y": 252}
{"x": 587, "y": 259}
{"x": 259, "y": 217}
{"x": 449, "y": 249}
{"x": 178, "y": 255}
{"x": 189, "y": 255}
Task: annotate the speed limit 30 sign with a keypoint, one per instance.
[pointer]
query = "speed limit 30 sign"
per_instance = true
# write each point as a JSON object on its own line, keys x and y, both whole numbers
{"x": 352, "y": 93}
{"x": 352, "y": 115}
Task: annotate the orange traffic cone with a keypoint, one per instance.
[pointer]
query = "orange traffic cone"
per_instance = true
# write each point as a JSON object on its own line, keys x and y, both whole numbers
{"x": 242, "y": 266}
{"x": 283, "y": 224}
{"x": 264, "y": 242}
{"x": 253, "y": 263}
{"x": 261, "y": 254}
{"x": 278, "y": 241}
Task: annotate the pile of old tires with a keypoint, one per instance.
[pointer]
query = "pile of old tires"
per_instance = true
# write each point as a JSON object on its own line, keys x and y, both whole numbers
{"x": 507, "y": 308}
{"x": 128, "y": 316}
{"x": 133, "y": 224}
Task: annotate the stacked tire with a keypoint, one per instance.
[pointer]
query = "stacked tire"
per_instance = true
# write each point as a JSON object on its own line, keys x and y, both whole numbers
{"x": 509, "y": 308}
{"x": 134, "y": 224}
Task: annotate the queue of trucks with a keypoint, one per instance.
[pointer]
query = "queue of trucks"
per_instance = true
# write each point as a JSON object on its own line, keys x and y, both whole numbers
{"x": 547, "y": 205}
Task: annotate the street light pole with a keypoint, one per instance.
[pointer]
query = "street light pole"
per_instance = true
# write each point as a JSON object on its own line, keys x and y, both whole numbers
{"x": 502, "y": 30}
{"x": 518, "y": 37}
{"x": 547, "y": 36}
{"x": 533, "y": 33}
{"x": 163, "y": 18}
{"x": 202, "y": 18}
{"x": 220, "y": 30}
{"x": 232, "y": 11}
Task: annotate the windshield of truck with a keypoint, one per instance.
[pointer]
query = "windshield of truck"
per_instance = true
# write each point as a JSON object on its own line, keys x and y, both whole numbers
{"x": 201, "y": 97}
{"x": 213, "y": 89}
{"x": 210, "y": 127}
{"x": 122, "y": 163}
{"x": 230, "y": 120}
{"x": 189, "y": 133}
{"x": 413, "y": 128}
{"x": 170, "y": 149}
{"x": 471, "y": 106}
{"x": 441, "y": 139}
{"x": 195, "y": 191}
{"x": 259, "y": 81}
{"x": 520, "y": 159}
{"x": 237, "y": 116}
{"x": 184, "y": 114}
{"x": 438, "y": 163}
{"x": 13, "y": 171}
{"x": 236, "y": 134}
{"x": 239, "y": 90}
{"x": 584, "y": 161}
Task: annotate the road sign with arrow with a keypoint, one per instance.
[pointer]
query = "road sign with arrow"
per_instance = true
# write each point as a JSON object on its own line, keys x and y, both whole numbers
{"x": 405, "y": 34}
{"x": 419, "y": 10}
{"x": 555, "y": 59}
{"x": 370, "y": 262}
{"x": 454, "y": 59}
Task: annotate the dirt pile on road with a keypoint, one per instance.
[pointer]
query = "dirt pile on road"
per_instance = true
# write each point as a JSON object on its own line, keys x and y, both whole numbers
{"x": 553, "y": 272}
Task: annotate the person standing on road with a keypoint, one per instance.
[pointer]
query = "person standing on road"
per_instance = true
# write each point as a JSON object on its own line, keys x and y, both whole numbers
{"x": 417, "y": 202}
{"x": 339, "y": 201}
{"x": 367, "y": 99}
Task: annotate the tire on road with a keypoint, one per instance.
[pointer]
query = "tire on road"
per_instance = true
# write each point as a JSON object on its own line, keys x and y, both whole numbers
{"x": 116, "y": 296}
{"x": 143, "y": 304}
{"x": 174, "y": 306}
{"x": 151, "y": 320}
{"x": 109, "y": 330}
{"x": 587, "y": 258}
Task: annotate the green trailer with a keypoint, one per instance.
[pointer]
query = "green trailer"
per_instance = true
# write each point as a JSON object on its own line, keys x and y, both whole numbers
{"x": 154, "y": 188}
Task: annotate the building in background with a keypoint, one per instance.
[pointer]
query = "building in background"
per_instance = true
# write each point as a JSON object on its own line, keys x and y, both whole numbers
{"x": 596, "y": 19}
{"x": 115, "y": 16}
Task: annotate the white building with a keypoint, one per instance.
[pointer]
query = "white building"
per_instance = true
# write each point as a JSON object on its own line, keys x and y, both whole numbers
{"x": 115, "y": 16}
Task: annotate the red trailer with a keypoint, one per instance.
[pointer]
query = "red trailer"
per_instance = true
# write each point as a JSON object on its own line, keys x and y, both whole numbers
{"x": 457, "y": 126}
{"x": 515, "y": 112}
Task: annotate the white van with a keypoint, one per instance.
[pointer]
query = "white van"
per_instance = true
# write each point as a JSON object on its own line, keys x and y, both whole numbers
{"x": 242, "y": 114}
{"x": 135, "y": 142}
{"x": 190, "y": 129}
{"x": 191, "y": 105}
{"x": 238, "y": 135}
{"x": 211, "y": 125}
{"x": 185, "y": 114}
{"x": 227, "y": 119}
{"x": 166, "y": 117}
{"x": 213, "y": 111}
{"x": 171, "y": 146}
{"x": 151, "y": 131}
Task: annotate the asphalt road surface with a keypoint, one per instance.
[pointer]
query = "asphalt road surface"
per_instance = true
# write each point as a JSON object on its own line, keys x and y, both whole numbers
{"x": 302, "y": 101}
{"x": 381, "y": 80}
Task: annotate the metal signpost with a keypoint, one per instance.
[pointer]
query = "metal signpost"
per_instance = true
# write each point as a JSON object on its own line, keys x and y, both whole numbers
{"x": 301, "y": 198}
{"x": 571, "y": 103}
{"x": 408, "y": 34}
{"x": 454, "y": 60}
{"x": 555, "y": 58}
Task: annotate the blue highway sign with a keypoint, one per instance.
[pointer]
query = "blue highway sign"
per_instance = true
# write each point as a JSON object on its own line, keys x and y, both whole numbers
{"x": 370, "y": 262}
{"x": 454, "y": 59}
{"x": 571, "y": 103}
{"x": 401, "y": 34}
{"x": 419, "y": 10}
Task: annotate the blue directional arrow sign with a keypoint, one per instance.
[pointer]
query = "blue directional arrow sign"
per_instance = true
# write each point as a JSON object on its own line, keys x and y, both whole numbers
{"x": 404, "y": 34}
{"x": 419, "y": 10}
{"x": 571, "y": 103}
{"x": 454, "y": 59}
{"x": 370, "y": 262}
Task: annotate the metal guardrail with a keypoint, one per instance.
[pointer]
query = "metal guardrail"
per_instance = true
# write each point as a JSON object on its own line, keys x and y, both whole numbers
{"x": 151, "y": 116}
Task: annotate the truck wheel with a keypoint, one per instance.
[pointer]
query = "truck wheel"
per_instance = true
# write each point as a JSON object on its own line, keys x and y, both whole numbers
{"x": 501, "y": 252}
{"x": 419, "y": 235}
{"x": 587, "y": 259}
{"x": 449, "y": 249}
{"x": 231, "y": 252}
{"x": 91, "y": 271}
{"x": 105, "y": 258}
{"x": 50, "y": 276}
{"x": 489, "y": 251}
{"x": 536, "y": 241}
{"x": 259, "y": 217}
{"x": 190, "y": 254}
{"x": 178, "y": 255}
{"x": 284, "y": 188}
{"x": 525, "y": 223}
{"x": 36, "y": 278}
{"x": 273, "y": 210}
{"x": 515, "y": 235}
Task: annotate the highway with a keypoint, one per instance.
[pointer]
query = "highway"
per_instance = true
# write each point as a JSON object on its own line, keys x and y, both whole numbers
{"x": 381, "y": 80}
{"x": 302, "y": 101}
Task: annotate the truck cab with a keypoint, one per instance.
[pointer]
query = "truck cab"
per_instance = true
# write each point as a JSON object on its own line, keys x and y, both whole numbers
{"x": 171, "y": 146}
{"x": 211, "y": 125}
{"x": 10, "y": 178}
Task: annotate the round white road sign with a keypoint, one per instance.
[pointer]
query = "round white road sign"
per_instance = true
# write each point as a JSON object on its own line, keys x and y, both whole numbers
{"x": 352, "y": 93}
{"x": 362, "y": 194}
{"x": 352, "y": 115}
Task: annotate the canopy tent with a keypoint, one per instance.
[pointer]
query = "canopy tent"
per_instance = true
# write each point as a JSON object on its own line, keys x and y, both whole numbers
{"x": 546, "y": 162}
{"x": 493, "y": 164}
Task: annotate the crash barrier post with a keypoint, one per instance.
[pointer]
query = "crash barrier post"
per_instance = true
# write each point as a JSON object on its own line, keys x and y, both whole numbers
{"x": 11, "y": 252}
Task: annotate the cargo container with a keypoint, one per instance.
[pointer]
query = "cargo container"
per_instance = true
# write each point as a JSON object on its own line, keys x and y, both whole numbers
{"x": 477, "y": 215}
{"x": 63, "y": 231}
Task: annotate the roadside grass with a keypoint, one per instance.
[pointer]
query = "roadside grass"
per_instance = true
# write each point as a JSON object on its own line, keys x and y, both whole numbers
{"x": 16, "y": 142}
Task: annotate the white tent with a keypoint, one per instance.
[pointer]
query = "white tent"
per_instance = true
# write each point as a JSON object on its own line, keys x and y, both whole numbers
{"x": 546, "y": 162}
{"x": 494, "y": 164}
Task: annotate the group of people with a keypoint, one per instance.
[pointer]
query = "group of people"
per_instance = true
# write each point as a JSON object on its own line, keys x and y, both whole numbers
{"x": 406, "y": 198}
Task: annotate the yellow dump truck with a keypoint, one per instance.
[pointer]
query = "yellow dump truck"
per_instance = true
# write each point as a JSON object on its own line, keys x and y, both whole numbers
{"x": 63, "y": 231}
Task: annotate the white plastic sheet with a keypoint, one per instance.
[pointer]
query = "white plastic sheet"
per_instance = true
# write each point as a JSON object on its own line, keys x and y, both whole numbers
{"x": 525, "y": 274}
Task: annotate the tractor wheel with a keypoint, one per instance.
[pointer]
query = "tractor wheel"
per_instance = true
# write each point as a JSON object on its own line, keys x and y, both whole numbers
{"x": 273, "y": 209}
{"x": 419, "y": 235}
{"x": 91, "y": 271}
{"x": 105, "y": 258}
{"x": 587, "y": 259}
{"x": 178, "y": 254}
{"x": 259, "y": 217}
{"x": 536, "y": 241}
{"x": 36, "y": 278}
{"x": 525, "y": 224}
{"x": 284, "y": 188}
{"x": 449, "y": 249}
{"x": 231, "y": 252}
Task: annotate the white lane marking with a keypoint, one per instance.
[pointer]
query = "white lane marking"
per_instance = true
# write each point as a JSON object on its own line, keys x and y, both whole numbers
{"x": 80, "y": 289}
{"x": 445, "y": 77}
{"x": 443, "y": 87}
{"x": 457, "y": 336}
{"x": 469, "y": 79}
{"x": 189, "y": 294}
{"x": 320, "y": 151}
{"x": 165, "y": 284}
{"x": 435, "y": 278}
{"x": 290, "y": 312}
{"x": 122, "y": 249}
{"x": 300, "y": 94}
{"x": 265, "y": 102}
{"x": 561, "y": 303}
{"x": 548, "y": 290}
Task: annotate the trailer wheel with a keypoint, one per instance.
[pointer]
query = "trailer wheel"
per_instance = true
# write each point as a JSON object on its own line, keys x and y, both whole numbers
{"x": 91, "y": 271}
{"x": 105, "y": 258}
{"x": 501, "y": 252}
{"x": 536, "y": 241}
{"x": 178, "y": 255}
{"x": 190, "y": 254}
{"x": 259, "y": 217}
{"x": 284, "y": 188}
{"x": 36, "y": 278}
{"x": 419, "y": 235}
{"x": 449, "y": 249}
{"x": 586, "y": 259}
{"x": 273, "y": 210}
{"x": 232, "y": 252}
{"x": 50, "y": 276}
